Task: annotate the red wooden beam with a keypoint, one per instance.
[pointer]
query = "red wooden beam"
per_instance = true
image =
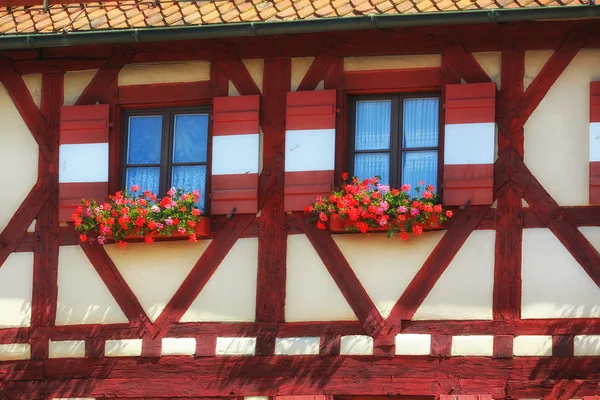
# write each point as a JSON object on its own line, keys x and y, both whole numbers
{"x": 14, "y": 335}
{"x": 511, "y": 92}
{"x": 230, "y": 63}
{"x": 384, "y": 81}
{"x": 344, "y": 277}
{"x": 37, "y": 66}
{"x": 564, "y": 390}
{"x": 219, "y": 84}
{"x": 464, "y": 223}
{"x": 316, "y": 72}
{"x": 202, "y": 271}
{"x": 179, "y": 93}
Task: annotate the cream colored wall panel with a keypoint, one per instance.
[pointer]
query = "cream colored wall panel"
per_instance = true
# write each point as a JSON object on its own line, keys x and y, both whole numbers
{"x": 476, "y": 345}
{"x": 82, "y": 296}
{"x": 75, "y": 84}
{"x": 464, "y": 291}
{"x": 311, "y": 293}
{"x": 300, "y": 66}
{"x": 554, "y": 284}
{"x": 534, "y": 62}
{"x": 356, "y": 345}
{"x": 178, "y": 347}
{"x": 557, "y": 133}
{"x": 413, "y": 344}
{"x": 123, "y": 348}
{"x": 232, "y": 91}
{"x": 155, "y": 272}
{"x": 18, "y": 159}
{"x": 34, "y": 85}
{"x": 397, "y": 263}
{"x": 16, "y": 285}
{"x": 66, "y": 349}
{"x": 167, "y": 72}
{"x": 230, "y": 294}
{"x": 532, "y": 345}
{"x": 587, "y": 345}
{"x": 234, "y": 346}
{"x": 255, "y": 67}
{"x": 15, "y": 351}
{"x": 491, "y": 64}
{"x": 291, "y": 346}
{"x": 392, "y": 62}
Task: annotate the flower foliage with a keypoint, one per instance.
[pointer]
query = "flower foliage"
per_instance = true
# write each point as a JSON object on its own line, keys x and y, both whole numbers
{"x": 138, "y": 214}
{"x": 369, "y": 204}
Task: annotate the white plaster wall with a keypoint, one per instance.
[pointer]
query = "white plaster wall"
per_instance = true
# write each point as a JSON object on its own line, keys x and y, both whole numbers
{"x": 123, "y": 348}
{"x": 75, "y": 83}
{"x": 83, "y": 298}
{"x": 396, "y": 262}
{"x": 16, "y": 283}
{"x": 230, "y": 294}
{"x": 311, "y": 293}
{"x": 178, "y": 347}
{"x": 165, "y": 72}
{"x": 234, "y": 346}
{"x": 255, "y": 67}
{"x": 554, "y": 284}
{"x": 66, "y": 349}
{"x": 297, "y": 346}
{"x": 392, "y": 62}
{"x": 534, "y": 62}
{"x": 491, "y": 64}
{"x": 413, "y": 344}
{"x": 356, "y": 345}
{"x": 34, "y": 85}
{"x": 464, "y": 291}
{"x": 586, "y": 345}
{"x": 18, "y": 159}
{"x": 475, "y": 345}
{"x": 532, "y": 345}
{"x": 557, "y": 133}
{"x": 15, "y": 351}
{"x": 155, "y": 272}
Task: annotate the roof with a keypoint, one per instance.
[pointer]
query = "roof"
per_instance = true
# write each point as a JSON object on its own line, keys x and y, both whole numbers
{"x": 115, "y": 15}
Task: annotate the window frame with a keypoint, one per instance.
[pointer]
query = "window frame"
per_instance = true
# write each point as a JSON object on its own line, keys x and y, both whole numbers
{"x": 397, "y": 148}
{"x": 167, "y": 141}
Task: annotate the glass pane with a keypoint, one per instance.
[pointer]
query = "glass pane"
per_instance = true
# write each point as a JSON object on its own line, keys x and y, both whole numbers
{"x": 420, "y": 166}
{"x": 191, "y": 178}
{"x": 373, "y": 119}
{"x": 146, "y": 177}
{"x": 191, "y": 132}
{"x": 370, "y": 165}
{"x": 421, "y": 118}
{"x": 144, "y": 140}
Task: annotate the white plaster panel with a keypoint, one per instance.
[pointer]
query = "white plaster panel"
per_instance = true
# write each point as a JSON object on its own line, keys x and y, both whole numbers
{"x": 235, "y": 154}
{"x": 83, "y": 298}
{"x": 476, "y": 345}
{"x": 16, "y": 285}
{"x": 232, "y": 90}
{"x": 31, "y": 228}
{"x": 413, "y": 344}
{"x": 154, "y": 273}
{"x": 297, "y": 346}
{"x": 300, "y": 66}
{"x": 123, "y": 348}
{"x": 66, "y": 349}
{"x": 75, "y": 84}
{"x": 309, "y": 286}
{"x": 534, "y": 62}
{"x": 356, "y": 345}
{"x": 230, "y": 294}
{"x": 310, "y": 150}
{"x": 178, "y": 346}
{"x": 256, "y": 67}
{"x": 491, "y": 64}
{"x": 532, "y": 345}
{"x": 86, "y": 162}
{"x": 232, "y": 346}
{"x": 554, "y": 284}
{"x": 397, "y": 263}
{"x": 15, "y": 351}
{"x": 18, "y": 159}
{"x": 166, "y": 72}
{"x": 557, "y": 133}
{"x": 595, "y": 141}
{"x": 392, "y": 62}
{"x": 34, "y": 85}
{"x": 464, "y": 291}
{"x": 469, "y": 143}
{"x": 256, "y": 398}
{"x": 586, "y": 345}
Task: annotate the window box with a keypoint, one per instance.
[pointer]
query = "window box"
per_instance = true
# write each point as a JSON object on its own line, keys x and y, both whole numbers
{"x": 202, "y": 230}
{"x": 338, "y": 225}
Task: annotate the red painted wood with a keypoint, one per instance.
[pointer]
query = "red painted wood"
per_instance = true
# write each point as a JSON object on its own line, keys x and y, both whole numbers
{"x": 594, "y": 101}
{"x": 236, "y": 115}
{"x": 462, "y": 60}
{"x": 334, "y": 79}
{"x": 441, "y": 345}
{"x": 503, "y": 346}
{"x": 594, "y": 182}
{"x": 36, "y": 66}
{"x": 70, "y": 195}
{"x": 234, "y": 191}
{"x": 102, "y": 81}
{"x": 310, "y": 110}
{"x": 384, "y": 345}
{"x": 330, "y": 344}
{"x": 464, "y": 223}
{"x": 344, "y": 277}
{"x": 206, "y": 345}
{"x": 507, "y": 257}
{"x": 563, "y": 345}
{"x": 316, "y": 72}
{"x": 511, "y": 92}
{"x": 202, "y": 271}
{"x": 470, "y": 104}
{"x": 179, "y": 93}
{"x": 564, "y": 389}
{"x": 231, "y": 64}
{"x": 84, "y": 124}
{"x": 92, "y": 331}
{"x": 303, "y": 188}
{"x": 219, "y": 84}
{"x": 468, "y": 182}
{"x": 386, "y": 81}
{"x": 151, "y": 348}
{"x": 94, "y": 348}
{"x": 14, "y": 335}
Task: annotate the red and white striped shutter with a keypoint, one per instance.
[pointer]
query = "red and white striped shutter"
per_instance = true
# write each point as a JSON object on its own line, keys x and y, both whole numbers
{"x": 465, "y": 397}
{"x": 83, "y": 156}
{"x": 309, "y": 147}
{"x": 235, "y": 155}
{"x": 595, "y": 143}
{"x": 469, "y": 144}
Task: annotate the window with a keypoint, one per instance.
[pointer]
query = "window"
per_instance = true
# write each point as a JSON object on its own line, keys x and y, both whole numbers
{"x": 166, "y": 148}
{"x": 395, "y": 137}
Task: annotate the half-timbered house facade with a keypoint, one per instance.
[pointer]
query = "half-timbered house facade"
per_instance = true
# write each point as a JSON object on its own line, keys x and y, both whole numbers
{"x": 261, "y": 105}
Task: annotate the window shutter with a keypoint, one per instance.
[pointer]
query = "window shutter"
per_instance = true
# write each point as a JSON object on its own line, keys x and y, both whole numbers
{"x": 235, "y": 155}
{"x": 595, "y": 143}
{"x": 83, "y": 156}
{"x": 469, "y": 144}
{"x": 309, "y": 147}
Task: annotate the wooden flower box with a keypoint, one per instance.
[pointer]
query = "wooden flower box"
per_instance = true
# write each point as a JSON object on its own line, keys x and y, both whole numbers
{"x": 202, "y": 230}
{"x": 338, "y": 225}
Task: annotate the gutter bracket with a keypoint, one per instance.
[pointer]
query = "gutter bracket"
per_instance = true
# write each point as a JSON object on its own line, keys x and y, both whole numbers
{"x": 493, "y": 16}
{"x": 252, "y": 28}
{"x": 373, "y": 19}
